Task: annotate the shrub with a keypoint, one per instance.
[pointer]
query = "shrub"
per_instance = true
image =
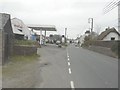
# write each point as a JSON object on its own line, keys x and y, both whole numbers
{"x": 25, "y": 42}
{"x": 87, "y": 41}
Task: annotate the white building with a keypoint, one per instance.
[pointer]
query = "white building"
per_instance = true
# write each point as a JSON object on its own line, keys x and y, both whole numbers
{"x": 109, "y": 34}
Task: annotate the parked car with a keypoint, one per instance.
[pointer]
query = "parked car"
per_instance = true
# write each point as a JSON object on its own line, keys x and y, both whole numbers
{"x": 58, "y": 42}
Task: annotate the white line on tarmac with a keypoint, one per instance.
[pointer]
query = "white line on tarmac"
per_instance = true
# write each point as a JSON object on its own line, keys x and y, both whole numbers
{"x": 68, "y": 63}
{"x": 68, "y": 59}
{"x": 68, "y": 56}
{"x": 72, "y": 84}
{"x": 69, "y": 71}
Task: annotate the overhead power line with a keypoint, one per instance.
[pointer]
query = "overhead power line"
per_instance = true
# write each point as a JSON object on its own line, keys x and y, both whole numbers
{"x": 111, "y": 6}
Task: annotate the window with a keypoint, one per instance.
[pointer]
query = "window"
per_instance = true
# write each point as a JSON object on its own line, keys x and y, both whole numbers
{"x": 112, "y": 38}
{"x": 20, "y": 30}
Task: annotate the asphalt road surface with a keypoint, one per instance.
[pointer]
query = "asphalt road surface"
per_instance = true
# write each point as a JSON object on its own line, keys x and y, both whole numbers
{"x": 74, "y": 67}
{"x": 92, "y": 70}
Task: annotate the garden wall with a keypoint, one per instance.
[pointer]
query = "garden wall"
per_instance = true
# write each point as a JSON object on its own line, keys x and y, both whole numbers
{"x": 107, "y": 44}
{"x": 24, "y": 50}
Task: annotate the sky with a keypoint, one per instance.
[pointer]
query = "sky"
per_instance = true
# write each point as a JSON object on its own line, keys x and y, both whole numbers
{"x": 70, "y": 14}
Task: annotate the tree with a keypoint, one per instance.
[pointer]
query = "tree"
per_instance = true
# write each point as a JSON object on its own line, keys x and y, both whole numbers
{"x": 87, "y": 41}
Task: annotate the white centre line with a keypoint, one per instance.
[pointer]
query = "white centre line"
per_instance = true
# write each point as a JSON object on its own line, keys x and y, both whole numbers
{"x": 68, "y": 59}
{"x": 72, "y": 84}
{"x": 69, "y": 71}
{"x": 68, "y": 63}
{"x": 68, "y": 56}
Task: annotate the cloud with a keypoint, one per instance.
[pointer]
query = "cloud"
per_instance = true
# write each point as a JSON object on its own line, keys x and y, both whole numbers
{"x": 72, "y": 14}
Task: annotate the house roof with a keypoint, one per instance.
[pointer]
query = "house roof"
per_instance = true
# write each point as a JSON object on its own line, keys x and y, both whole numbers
{"x": 43, "y": 27}
{"x": 106, "y": 32}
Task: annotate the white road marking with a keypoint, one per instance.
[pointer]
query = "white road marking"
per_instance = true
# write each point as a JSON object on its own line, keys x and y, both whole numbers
{"x": 68, "y": 63}
{"x": 68, "y": 59}
{"x": 72, "y": 84}
{"x": 69, "y": 71}
{"x": 68, "y": 56}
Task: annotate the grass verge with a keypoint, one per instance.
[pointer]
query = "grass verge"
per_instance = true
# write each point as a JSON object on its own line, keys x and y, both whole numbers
{"x": 21, "y": 72}
{"x": 16, "y": 62}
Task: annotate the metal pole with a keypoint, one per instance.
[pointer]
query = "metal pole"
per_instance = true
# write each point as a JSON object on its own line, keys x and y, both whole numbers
{"x": 65, "y": 34}
{"x": 92, "y": 25}
{"x": 40, "y": 37}
{"x": 45, "y": 38}
{"x": 119, "y": 17}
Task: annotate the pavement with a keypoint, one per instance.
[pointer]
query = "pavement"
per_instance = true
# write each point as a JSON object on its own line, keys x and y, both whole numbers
{"x": 54, "y": 71}
{"x": 74, "y": 67}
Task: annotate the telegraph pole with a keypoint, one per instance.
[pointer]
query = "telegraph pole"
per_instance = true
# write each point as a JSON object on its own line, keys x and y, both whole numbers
{"x": 65, "y": 34}
{"x": 119, "y": 17}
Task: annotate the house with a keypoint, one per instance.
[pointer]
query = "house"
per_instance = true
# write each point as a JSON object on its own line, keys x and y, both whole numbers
{"x": 109, "y": 34}
{"x": 20, "y": 30}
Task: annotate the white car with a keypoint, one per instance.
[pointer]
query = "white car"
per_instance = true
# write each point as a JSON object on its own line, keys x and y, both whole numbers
{"x": 58, "y": 42}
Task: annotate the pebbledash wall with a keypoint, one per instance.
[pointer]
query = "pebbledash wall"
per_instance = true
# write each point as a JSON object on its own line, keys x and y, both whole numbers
{"x": 7, "y": 37}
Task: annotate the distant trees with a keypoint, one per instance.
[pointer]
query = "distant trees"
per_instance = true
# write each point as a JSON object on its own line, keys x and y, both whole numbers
{"x": 88, "y": 40}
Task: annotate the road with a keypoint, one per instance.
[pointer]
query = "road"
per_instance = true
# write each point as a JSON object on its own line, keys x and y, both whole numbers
{"x": 91, "y": 69}
{"x": 74, "y": 67}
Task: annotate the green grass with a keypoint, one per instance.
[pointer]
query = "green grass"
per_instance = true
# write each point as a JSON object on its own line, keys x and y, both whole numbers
{"x": 25, "y": 42}
{"x": 26, "y": 58}
{"x": 18, "y": 62}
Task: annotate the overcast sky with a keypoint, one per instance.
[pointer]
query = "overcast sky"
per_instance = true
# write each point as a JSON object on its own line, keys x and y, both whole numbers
{"x": 70, "y": 14}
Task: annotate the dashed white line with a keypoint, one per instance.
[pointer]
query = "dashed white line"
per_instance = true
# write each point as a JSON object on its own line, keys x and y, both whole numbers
{"x": 68, "y": 63}
{"x": 69, "y": 71}
{"x": 68, "y": 59}
{"x": 68, "y": 56}
{"x": 72, "y": 84}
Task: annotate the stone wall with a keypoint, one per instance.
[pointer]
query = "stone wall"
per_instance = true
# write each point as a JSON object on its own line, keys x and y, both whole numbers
{"x": 24, "y": 50}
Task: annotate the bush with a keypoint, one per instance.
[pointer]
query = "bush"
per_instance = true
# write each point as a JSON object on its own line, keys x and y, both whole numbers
{"x": 87, "y": 41}
{"x": 25, "y": 42}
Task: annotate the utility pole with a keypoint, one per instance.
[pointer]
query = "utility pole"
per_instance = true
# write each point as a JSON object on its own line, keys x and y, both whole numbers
{"x": 90, "y": 20}
{"x": 65, "y": 35}
{"x": 119, "y": 17}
